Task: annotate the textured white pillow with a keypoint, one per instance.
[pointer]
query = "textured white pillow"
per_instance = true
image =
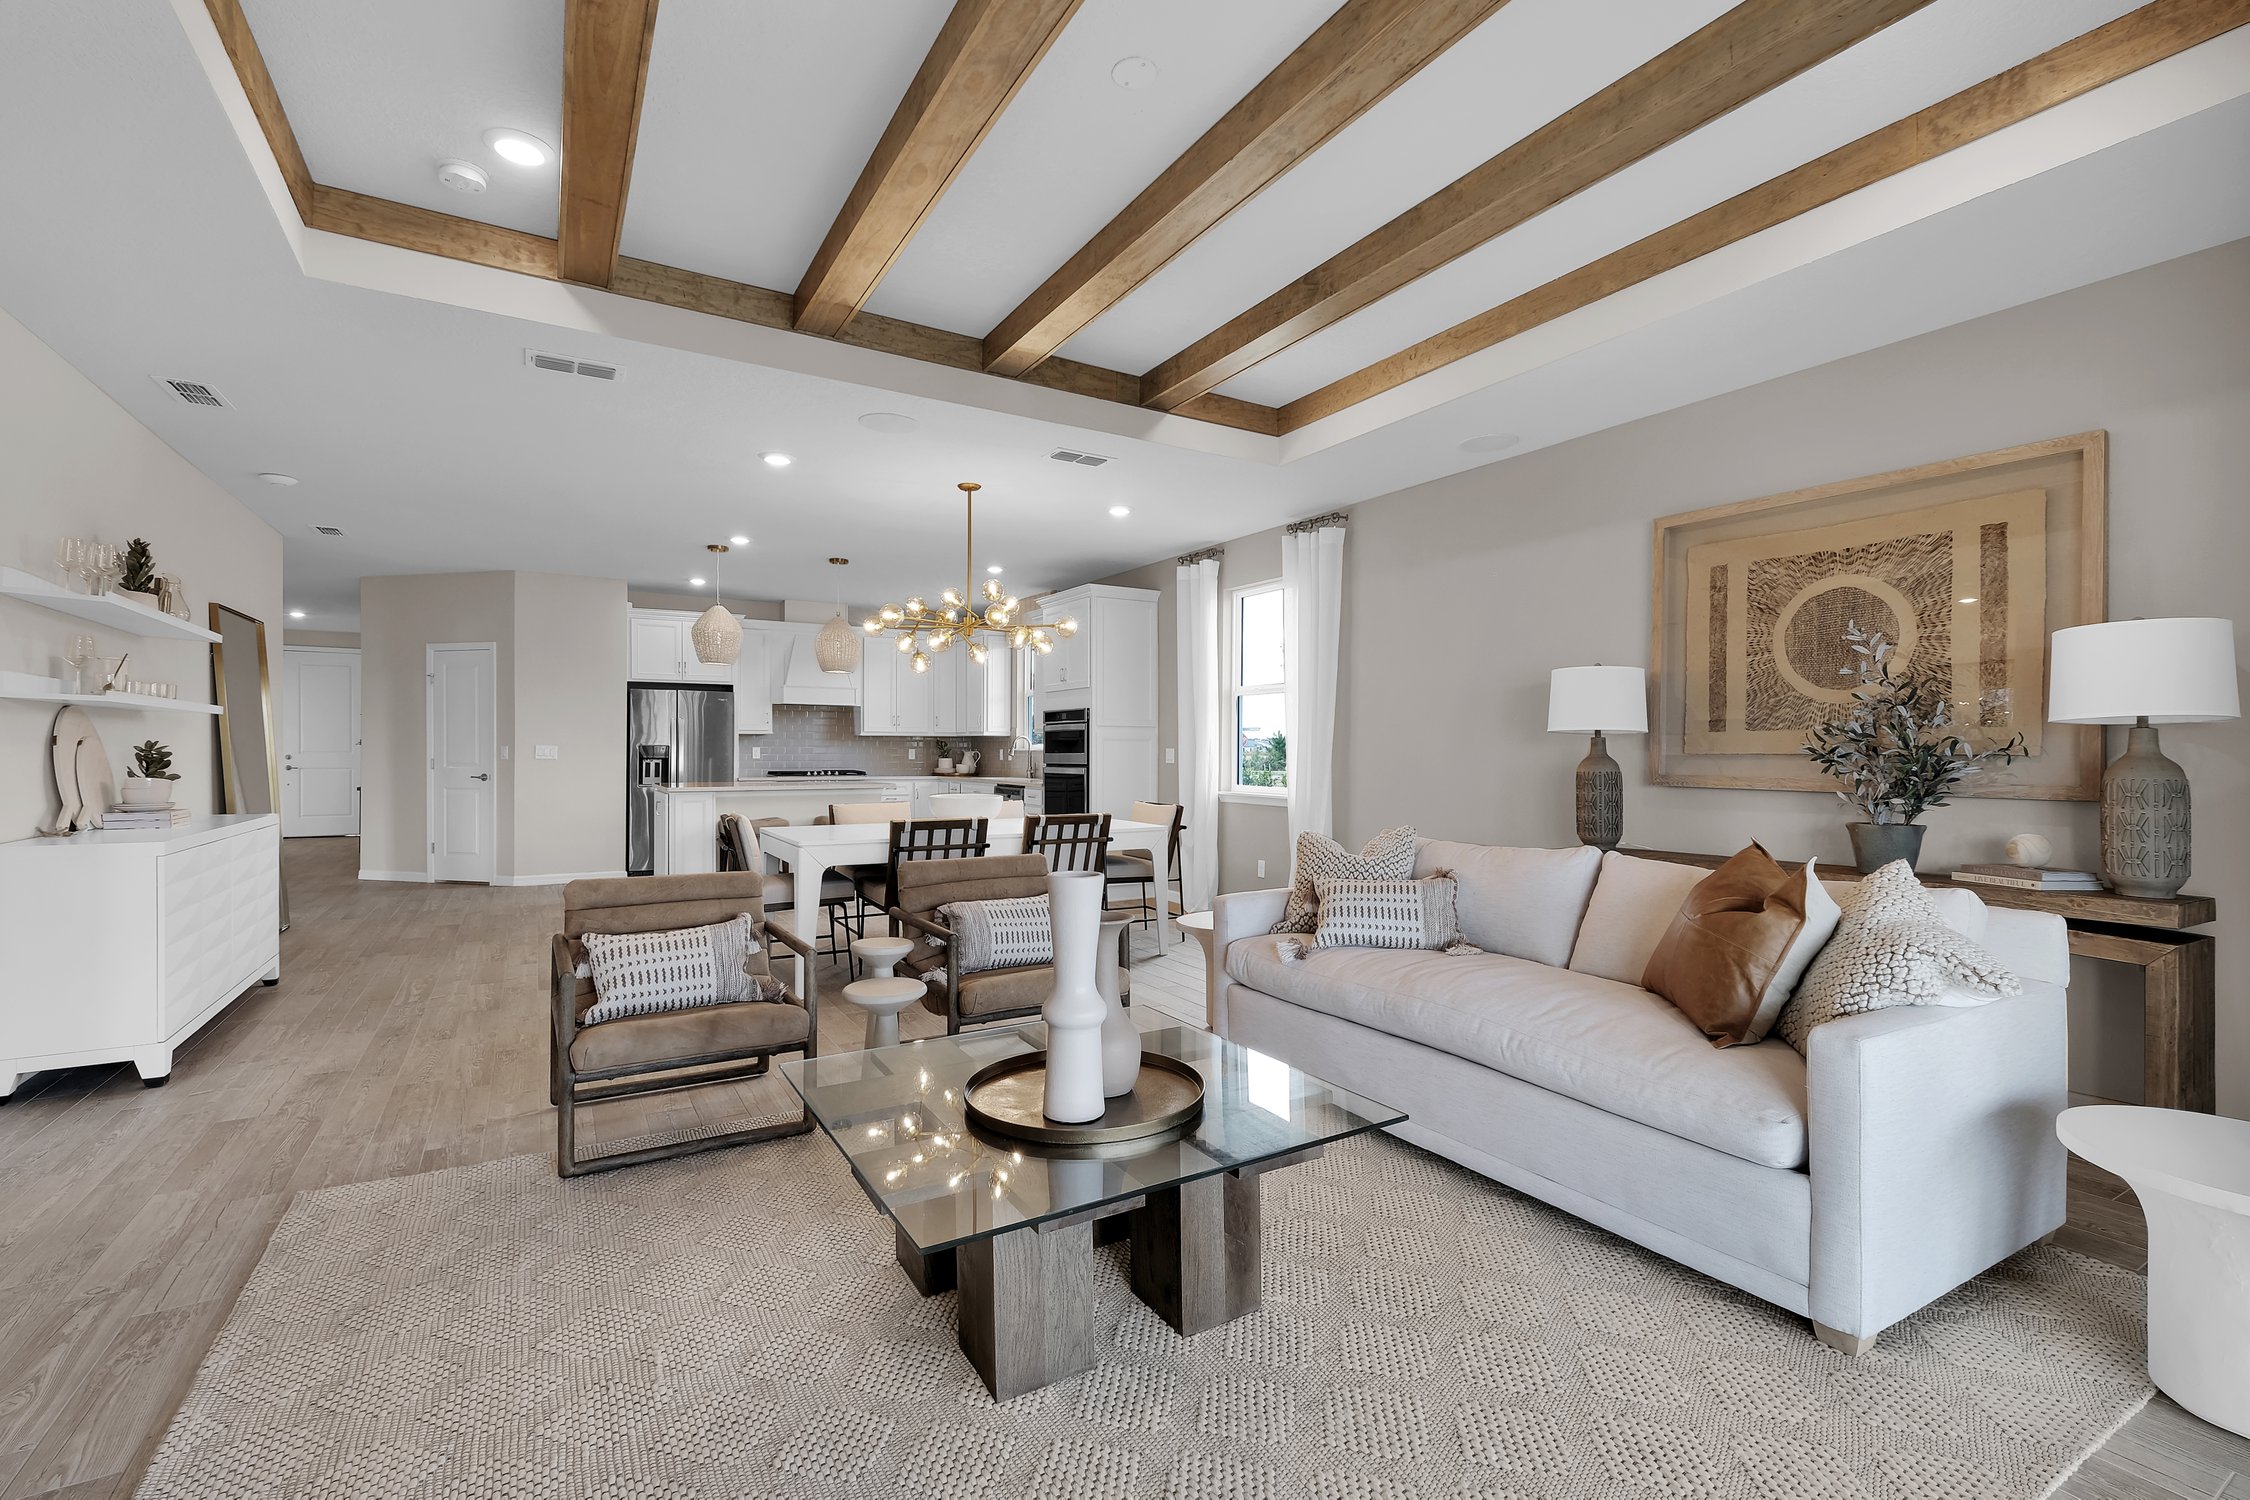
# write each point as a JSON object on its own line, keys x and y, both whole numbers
{"x": 1632, "y": 908}
{"x": 1388, "y": 856}
{"x": 1892, "y": 948}
{"x": 641, "y": 973}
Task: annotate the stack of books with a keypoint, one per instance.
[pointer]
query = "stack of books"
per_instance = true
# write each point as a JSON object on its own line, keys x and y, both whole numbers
{"x": 162, "y": 817}
{"x": 2026, "y": 878}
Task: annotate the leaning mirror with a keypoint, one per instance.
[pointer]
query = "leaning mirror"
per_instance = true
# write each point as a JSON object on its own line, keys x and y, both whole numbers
{"x": 248, "y": 777}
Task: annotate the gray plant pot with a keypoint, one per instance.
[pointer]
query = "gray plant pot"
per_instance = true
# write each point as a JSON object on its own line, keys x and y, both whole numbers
{"x": 1875, "y": 845}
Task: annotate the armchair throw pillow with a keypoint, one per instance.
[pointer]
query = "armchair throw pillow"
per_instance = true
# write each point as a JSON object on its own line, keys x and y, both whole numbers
{"x": 1388, "y": 913}
{"x": 1740, "y": 943}
{"x": 642, "y": 973}
{"x": 1388, "y": 856}
{"x": 1012, "y": 932}
{"x": 1892, "y": 948}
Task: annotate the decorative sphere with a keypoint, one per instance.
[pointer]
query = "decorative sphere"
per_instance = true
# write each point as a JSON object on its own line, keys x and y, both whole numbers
{"x": 2031, "y": 850}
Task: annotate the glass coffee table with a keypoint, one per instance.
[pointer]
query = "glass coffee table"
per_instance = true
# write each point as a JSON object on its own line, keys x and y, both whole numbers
{"x": 1013, "y": 1227}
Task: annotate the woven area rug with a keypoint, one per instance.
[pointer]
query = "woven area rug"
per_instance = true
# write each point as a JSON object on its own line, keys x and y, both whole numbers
{"x": 733, "y": 1325}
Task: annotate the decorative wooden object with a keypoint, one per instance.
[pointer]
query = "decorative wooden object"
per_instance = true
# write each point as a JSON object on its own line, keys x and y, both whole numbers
{"x": 2179, "y": 988}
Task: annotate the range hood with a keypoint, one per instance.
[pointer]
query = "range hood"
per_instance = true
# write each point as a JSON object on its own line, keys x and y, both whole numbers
{"x": 800, "y": 680}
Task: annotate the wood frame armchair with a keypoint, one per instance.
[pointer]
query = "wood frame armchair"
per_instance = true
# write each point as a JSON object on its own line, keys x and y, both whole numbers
{"x": 652, "y": 1054}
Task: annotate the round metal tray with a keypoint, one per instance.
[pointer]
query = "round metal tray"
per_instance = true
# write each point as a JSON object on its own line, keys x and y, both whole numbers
{"x": 1004, "y": 1098}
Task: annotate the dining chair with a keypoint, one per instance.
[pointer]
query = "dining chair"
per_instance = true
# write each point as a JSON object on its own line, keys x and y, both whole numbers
{"x": 1070, "y": 841}
{"x": 738, "y": 850}
{"x": 928, "y": 839}
{"x": 1140, "y": 870}
{"x": 855, "y": 920}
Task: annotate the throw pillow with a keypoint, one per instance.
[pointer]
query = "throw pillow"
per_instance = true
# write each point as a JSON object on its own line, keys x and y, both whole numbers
{"x": 1388, "y": 913}
{"x": 641, "y": 973}
{"x": 1388, "y": 856}
{"x": 1009, "y": 933}
{"x": 1892, "y": 948}
{"x": 1742, "y": 940}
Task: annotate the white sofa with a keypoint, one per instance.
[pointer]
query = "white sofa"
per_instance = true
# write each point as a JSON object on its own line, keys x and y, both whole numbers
{"x": 1914, "y": 1147}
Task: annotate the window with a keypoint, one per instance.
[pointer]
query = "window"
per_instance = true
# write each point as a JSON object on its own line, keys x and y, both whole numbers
{"x": 1261, "y": 678}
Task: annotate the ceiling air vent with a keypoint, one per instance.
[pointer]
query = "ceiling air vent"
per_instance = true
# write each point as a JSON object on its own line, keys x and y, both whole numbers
{"x": 564, "y": 366}
{"x": 1073, "y": 456}
{"x": 192, "y": 392}
{"x": 328, "y": 530}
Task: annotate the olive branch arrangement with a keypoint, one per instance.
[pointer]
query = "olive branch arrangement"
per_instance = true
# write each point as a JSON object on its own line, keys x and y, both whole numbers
{"x": 1895, "y": 752}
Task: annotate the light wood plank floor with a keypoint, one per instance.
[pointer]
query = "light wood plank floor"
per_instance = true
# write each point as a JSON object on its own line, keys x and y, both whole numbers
{"x": 408, "y": 1035}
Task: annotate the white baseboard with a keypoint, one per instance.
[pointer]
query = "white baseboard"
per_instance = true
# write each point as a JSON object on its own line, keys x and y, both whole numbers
{"x": 417, "y": 877}
{"x": 560, "y": 879}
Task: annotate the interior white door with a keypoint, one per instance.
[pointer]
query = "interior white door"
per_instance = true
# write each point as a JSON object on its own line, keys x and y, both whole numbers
{"x": 463, "y": 763}
{"x": 319, "y": 743}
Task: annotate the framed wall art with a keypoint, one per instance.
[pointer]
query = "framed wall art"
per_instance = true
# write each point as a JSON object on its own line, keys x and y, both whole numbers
{"x": 1967, "y": 564}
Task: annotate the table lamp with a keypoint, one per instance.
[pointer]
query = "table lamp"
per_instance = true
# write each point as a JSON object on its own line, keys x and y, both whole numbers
{"x": 1598, "y": 701}
{"x": 2144, "y": 673}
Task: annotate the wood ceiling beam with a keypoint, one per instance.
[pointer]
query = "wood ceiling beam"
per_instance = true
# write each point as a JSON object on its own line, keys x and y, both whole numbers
{"x": 339, "y": 211}
{"x": 605, "y": 73}
{"x": 2104, "y": 55}
{"x": 265, "y": 101}
{"x": 1355, "y": 58}
{"x": 982, "y": 55}
{"x": 1754, "y": 47}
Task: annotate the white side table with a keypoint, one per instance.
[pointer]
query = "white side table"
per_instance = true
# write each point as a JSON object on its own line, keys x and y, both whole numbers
{"x": 2192, "y": 1174}
{"x": 1199, "y": 923}
{"x": 879, "y": 994}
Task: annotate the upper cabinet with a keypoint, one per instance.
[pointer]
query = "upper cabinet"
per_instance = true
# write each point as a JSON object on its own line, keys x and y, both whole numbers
{"x": 1109, "y": 666}
{"x": 955, "y": 697}
{"x": 661, "y": 648}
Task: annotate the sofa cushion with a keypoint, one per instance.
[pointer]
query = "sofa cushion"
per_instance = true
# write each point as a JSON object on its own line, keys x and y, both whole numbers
{"x": 1525, "y": 903}
{"x": 1614, "y": 1046}
{"x": 1632, "y": 908}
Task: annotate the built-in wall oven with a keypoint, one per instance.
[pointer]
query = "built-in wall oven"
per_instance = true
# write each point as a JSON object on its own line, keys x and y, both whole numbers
{"x": 1063, "y": 747}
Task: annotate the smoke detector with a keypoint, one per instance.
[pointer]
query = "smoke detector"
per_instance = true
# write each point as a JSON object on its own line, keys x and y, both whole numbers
{"x": 1073, "y": 456}
{"x": 563, "y": 365}
{"x": 462, "y": 176}
{"x": 192, "y": 392}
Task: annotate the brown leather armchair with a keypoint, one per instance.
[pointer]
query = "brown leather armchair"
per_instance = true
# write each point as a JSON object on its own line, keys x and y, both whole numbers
{"x": 994, "y": 994}
{"x": 650, "y": 1054}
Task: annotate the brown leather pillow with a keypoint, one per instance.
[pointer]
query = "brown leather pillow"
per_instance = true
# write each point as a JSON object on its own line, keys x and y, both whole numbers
{"x": 1732, "y": 955}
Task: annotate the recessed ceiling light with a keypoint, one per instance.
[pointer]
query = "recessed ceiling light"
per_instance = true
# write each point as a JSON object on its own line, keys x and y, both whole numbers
{"x": 518, "y": 149}
{"x": 1491, "y": 442}
{"x": 995, "y": 570}
{"x": 296, "y": 614}
{"x": 738, "y": 541}
{"x": 1121, "y": 511}
{"x": 695, "y": 583}
{"x": 462, "y": 176}
{"x": 280, "y": 479}
{"x": 1133, "y": 73}
{"x": 777, "y": 460}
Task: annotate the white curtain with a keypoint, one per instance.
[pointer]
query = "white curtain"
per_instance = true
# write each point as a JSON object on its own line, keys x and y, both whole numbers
{"x": 1202, "y": 730}
{"x": 1312, "y": 576}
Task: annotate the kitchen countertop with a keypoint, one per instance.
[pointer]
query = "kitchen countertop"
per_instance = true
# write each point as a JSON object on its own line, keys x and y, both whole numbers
{"x": 838, "y": 783}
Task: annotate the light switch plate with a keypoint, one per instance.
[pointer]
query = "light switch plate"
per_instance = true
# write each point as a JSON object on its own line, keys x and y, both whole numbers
{"x": 503, "y": 752}
{"x": 913, "y": 752}
{"x": 1171, "y": 756}
{"x": 546, "y": 752}
{"x": 1261, "y": 869}
{"x": 757, "y": 752}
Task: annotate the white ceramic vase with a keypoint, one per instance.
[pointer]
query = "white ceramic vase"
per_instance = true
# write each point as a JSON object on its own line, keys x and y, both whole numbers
{"x": 1121, "y": 1039}
{"x": 147, "y": 793}
{"x": 1074, "y": 1012}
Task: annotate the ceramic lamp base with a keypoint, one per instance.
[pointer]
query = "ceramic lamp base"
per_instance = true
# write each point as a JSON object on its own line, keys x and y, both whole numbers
{"x": 2146, "y": 846}
{"x": 1601, "y": 798}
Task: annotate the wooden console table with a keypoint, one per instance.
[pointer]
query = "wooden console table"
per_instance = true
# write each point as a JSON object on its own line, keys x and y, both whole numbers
{"x": 2178, "y": 981}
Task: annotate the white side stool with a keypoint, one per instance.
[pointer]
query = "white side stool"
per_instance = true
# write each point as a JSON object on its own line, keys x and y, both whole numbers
{"x": 879, "y": 994}
{"x": 2192, "y": 1175}
{"x": 1198, "y": 924}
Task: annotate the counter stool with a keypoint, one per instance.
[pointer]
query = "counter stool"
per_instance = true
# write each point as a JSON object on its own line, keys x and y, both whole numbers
{"x": 879, "y": 994}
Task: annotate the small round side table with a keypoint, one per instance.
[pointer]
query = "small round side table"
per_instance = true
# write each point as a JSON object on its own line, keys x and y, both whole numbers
{"x": 879, "y": 994}
{"x": 1199, "y": 923}
{"x": 2192, "y": 1175}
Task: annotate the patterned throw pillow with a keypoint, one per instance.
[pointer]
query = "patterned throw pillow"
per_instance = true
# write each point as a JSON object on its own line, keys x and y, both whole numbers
{"x": 1891, "y": 948}
{"x": 642, "y": 973}
{"x": 1388, "y": 856}
{"x": 1388, "y": 913}
{"x": 1010, "y": 933}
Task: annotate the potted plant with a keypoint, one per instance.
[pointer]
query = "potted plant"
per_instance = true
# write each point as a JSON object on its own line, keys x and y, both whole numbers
{"x": 149, "y": 786}
{"x": 1894, "y": 752}
{"x": 136, "y": 577}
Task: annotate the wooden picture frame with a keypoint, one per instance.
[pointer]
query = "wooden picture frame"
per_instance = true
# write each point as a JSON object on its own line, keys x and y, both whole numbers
{"x": 1747, "y": 597}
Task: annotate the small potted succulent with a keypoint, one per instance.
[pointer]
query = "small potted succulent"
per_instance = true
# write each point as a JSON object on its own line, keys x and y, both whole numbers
{"x": 149, "y": 787}
{"x": 136, "y": 576}
{"x": 1895, "y": 752}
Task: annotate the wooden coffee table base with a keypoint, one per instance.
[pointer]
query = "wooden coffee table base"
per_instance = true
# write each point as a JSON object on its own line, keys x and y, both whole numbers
{"x": 1025, "y": 1309}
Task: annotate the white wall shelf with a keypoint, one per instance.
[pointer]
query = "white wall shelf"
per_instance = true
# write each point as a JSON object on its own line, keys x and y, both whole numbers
{"x": 115, "y": 700}
{"x": 101, "y": 609}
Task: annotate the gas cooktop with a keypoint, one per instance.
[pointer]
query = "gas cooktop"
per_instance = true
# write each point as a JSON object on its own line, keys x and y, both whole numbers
{"x": 816, "y": 773}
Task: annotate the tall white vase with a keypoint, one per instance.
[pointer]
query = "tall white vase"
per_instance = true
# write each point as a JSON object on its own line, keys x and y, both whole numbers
{"x": 1121, "y": 1039}
{"x": 1074, "y": 1012}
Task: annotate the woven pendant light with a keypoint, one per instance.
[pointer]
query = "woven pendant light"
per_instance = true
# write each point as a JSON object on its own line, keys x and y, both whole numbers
{"x": 716, "y": 633}
{"x": 836, "y": 648}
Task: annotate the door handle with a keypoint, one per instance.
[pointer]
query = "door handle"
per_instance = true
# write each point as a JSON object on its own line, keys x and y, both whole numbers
{"x": 481, "y": 776}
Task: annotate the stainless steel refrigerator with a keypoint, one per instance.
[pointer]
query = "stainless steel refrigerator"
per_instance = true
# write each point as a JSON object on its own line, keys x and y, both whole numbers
{"x": 673, "y": 735}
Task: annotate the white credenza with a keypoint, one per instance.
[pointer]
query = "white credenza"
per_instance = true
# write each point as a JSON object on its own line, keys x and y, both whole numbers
{"x": 119, "y": 946}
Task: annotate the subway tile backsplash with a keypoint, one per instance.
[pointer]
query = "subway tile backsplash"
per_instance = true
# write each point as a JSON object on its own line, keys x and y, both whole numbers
{"x": 819, "y": 738}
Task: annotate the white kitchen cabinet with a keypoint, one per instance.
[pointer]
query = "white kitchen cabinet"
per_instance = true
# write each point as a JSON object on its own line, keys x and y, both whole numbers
{"x": 878, "y": 698}
{"x": 661, "y": 648}
{"x": 988, "y": 695}
{"x": 753, "y": 684}
{"x": 124, "y": 943}
{"x": 1109, "y": 669}
{"x": 947, "y": 671}
{"x": 915, "y": 694}
{"x": 896, "y": 699}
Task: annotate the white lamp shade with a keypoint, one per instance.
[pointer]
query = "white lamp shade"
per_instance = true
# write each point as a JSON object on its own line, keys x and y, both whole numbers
{"x": 1597, "y": 700}
{"x": 2170, "y": 671}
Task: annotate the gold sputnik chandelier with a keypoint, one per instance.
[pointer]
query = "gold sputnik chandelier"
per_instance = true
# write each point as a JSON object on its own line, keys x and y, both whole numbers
{"x": 973, "y": 619}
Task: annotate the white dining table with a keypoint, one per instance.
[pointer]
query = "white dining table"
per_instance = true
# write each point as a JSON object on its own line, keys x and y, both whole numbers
{"x": 811, "y": 850}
